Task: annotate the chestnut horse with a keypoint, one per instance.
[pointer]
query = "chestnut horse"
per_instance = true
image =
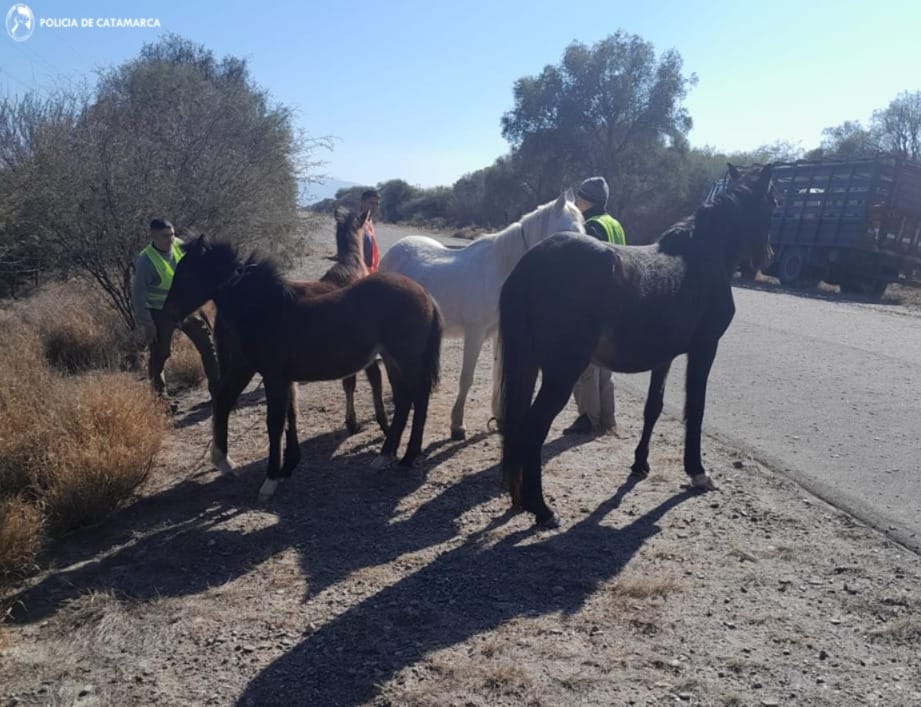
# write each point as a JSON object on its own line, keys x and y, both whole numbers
{"x": 288, "y": 334}
{"x": 573, "y": 300}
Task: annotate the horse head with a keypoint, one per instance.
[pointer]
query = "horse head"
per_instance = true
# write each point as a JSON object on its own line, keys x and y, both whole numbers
{"x": 750, "y": 191}
{"x": 204, "y": 268}
{"x": 553, "y": 217}
{"x": 350, "y": 228}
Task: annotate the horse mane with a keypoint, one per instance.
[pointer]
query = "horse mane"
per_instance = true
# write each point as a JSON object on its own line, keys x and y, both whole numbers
{"x": 255, "y": 278}
{"x": 702, "y": 224}
{"x": 540, "y": 218}
{"x": 536, "y": 221}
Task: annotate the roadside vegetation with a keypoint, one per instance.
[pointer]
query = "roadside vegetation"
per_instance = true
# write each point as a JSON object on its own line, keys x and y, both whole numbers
{"x": 77, "y": 435}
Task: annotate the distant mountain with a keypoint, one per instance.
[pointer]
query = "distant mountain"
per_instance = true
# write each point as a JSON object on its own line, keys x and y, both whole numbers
{"x": 317, "y": 191}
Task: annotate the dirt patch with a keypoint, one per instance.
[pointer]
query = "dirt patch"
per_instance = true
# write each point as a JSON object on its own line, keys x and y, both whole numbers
{"x": 418, "y": 587}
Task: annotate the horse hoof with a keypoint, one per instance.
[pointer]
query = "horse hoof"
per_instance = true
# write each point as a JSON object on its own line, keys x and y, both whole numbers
{"x": 458, "y": 433}
{"x": 702, "y": 482}
{"x": 382, "y": 461}
{"x": 267, "y": 490}
{"x": 638, "y": 472}
{"x": 353, "y": 428}
{"x": 222, "y": 462}
{"x": 494, "y": 424}
{"x": 552, "y": 522}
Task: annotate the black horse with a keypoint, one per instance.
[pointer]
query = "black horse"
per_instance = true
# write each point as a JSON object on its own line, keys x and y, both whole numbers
{"x": 573, "y": 300}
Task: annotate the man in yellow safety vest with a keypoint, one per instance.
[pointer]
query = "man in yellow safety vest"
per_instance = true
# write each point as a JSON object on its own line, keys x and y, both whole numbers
{"x": 594, "y": 391}
{"x": 153, "y": 275}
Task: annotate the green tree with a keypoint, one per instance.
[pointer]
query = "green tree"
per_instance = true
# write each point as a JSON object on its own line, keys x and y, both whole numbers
{"x": 898, "y": 126}
{"x": 608, "y": 109}
{"x": 847, "y": 141}
{"x": 394, "y": 195}
{"x": 172, "y": 133}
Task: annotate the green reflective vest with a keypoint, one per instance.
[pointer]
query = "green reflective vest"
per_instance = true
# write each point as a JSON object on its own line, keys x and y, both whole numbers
{"x": 612, "y": 228}
{"x": 156, "y": 294}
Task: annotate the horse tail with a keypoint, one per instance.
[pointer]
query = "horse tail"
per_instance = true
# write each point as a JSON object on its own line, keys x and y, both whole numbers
{"x": 431, "y": 356}
{"x": 518, "y": 374}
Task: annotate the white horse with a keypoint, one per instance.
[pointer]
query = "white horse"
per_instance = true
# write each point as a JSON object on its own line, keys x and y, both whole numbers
{"x": 466, "y": 282}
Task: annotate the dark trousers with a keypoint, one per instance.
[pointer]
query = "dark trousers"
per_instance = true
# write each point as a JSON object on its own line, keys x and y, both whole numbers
{"x": 197, "y": 328}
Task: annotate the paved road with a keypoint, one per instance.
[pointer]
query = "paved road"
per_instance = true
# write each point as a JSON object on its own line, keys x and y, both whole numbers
{"x": 826, "y": 391}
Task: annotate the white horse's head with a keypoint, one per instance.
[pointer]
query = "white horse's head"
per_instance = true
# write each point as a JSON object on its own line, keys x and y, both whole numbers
{"x": 552, "y": 217}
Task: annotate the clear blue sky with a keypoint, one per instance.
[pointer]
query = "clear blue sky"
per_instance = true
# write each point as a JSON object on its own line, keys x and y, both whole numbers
{"x": 415, "y": 89}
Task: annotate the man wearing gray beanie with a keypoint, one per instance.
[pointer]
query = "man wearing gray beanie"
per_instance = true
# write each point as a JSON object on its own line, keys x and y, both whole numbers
{"x": 594, "y": 391}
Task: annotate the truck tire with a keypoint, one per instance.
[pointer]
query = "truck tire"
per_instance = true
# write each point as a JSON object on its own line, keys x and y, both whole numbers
{"x": 793, "y": 269}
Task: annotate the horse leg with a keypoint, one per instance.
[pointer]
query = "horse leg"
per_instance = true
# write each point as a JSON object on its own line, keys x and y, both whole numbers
{"x": 496, "y": 402}
{"x": 556, "y": 385}
{"x": 402, "y": 400}
{"x": 654, "y": 398}
{"x": 292, "y": 447}
{"x": 235, "y": 378}
{"x": 373, "y": 372}
{"x": 700, "y": 360}
{"x": 473, "y": 342}
{"x": 351, "y": 422}
{"x": 420, "y": 412}
{"x": 277, "y": 394}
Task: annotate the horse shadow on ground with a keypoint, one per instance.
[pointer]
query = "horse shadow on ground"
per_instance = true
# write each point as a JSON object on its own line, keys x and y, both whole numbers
{"x": 469, "y": 590}
{"x": 194, "y": 536}
{"x": 340, "y": 516}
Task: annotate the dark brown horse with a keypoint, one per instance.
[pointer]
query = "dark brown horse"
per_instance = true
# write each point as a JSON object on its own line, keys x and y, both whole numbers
{"x": 287, "y": 333}
{"x": 237, "y": 372}
{"x": 573, "y": 300}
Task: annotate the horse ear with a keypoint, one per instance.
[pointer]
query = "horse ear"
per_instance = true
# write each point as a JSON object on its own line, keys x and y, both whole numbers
{"x": 341, "y": 214}
{"x": 363, "y": 218}
{"x": 734, "y": 172}
{"x": 561, "y": 201}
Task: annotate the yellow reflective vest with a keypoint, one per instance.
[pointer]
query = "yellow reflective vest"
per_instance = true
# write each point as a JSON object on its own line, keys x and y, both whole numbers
{"x": 611, "y": 226}
{"x": 156, "y": 294}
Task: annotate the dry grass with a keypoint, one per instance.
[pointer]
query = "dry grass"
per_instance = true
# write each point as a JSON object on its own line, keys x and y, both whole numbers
{"x": 20, "y": 535}
{"x": 183, "y": 368}
{"x": 71, "y": 447}
{"x": 907, "y": 628}
{"x": 643, "y": 587}
{"x": 78, "y": 330}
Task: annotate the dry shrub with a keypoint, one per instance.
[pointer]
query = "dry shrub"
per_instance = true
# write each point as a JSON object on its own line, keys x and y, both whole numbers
{"x": 78, "y": 330}
{"x": 71, "y": 448}
{"x": 183, "y": 368}
{"x": 20, "y": 535}
{"x": 111, "y": 428}
{"x": 24, "y": 428}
